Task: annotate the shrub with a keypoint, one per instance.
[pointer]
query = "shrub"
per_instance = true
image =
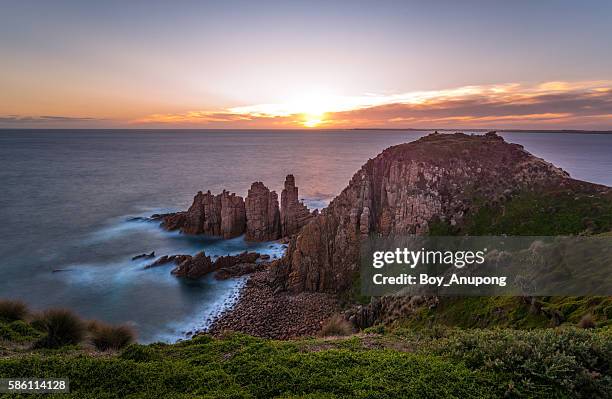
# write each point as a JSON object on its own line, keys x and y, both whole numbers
{"x": 62, "y": 327}
{"x": 336, "y": 326}
{"x": 18, "y": 331}
{"x": 12, "y": 310}
{"x": 567, "y": 362}
{"x": 106, "y": 337}
{"x": 587, "y": 321}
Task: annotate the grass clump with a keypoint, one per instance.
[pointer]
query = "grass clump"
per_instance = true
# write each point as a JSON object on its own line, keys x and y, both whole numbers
{"x": 61, "y": 328}
{"x": 11, "y": 310}
{"x": 107, "y": 337}
{"x": 336, "y": 326}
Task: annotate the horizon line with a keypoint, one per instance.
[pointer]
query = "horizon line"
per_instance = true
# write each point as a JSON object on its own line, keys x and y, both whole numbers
{"x": 446, "y": 129}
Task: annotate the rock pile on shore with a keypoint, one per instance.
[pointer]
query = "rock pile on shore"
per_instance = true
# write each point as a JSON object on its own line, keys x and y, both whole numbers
{"x": 262, "y": 313}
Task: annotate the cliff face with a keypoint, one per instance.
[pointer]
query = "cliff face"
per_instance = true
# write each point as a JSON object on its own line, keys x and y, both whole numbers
{"x": 216, "y": 215}
{"x": 228, "y": 215}
{"x": 401, "y": 191}
{"x": 233, "y": 215}
{"x": 293, "y": 213}
{"x": 262, "y": 214}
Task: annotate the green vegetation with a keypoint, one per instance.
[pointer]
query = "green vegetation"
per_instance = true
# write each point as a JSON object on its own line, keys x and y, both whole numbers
{"x": 513, "y": 312}
{"x": 18, "y": 331}
{"x": 561, "y": 212}
{"x": 552, "y": 213}
{"x": 107, "y": 337}
{"x": 398, "y": 363}
{"x": 562, "y": 361}
{"x": 61, "y": 328}
{"x": 564, "y": 212}
{"x": 57, "y": 328}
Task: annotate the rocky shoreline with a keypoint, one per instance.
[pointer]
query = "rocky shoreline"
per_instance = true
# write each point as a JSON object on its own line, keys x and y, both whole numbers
{"x": 262, "y": 312}
{"x": 439, "y": 181}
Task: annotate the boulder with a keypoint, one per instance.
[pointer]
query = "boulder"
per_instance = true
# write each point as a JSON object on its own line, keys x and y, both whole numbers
{"x": 144, "y": 256}
{"x": 232, "y": 260}
{"x": 194, "y": 267}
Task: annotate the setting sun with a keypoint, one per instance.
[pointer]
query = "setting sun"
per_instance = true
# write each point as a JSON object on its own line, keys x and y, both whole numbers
{"x": 313, "y": 120}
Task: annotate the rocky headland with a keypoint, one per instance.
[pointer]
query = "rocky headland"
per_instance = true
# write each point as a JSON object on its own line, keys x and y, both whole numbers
{"x": 441, "y": 182}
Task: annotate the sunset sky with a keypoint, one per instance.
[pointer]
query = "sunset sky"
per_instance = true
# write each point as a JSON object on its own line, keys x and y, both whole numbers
{"x": 306, "y": 64}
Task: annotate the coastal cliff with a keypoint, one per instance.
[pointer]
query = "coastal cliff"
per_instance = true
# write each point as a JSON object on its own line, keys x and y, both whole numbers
{"x": 439, "y": 179}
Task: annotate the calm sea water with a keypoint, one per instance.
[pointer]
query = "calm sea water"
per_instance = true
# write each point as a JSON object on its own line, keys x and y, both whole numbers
{"x": 66, "y": 198}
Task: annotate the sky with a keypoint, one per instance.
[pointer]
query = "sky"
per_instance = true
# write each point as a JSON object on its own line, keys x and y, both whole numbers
{"x": 306, "y": 64}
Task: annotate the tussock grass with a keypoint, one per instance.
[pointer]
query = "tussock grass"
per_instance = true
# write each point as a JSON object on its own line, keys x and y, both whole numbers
{"x": 108, "y": 337}
{"x": 11, "y": 310}
{"x": 61, "y": 327}
{"x": 336, "y": 326}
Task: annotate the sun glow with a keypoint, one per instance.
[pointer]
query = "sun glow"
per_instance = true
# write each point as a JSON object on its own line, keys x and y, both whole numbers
{"x": 312, "y": 108}
{"x": 315, "y": 109}
{"x": 311, "y": 120}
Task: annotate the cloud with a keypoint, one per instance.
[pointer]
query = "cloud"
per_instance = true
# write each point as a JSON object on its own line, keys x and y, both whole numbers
{"x": 576, "y": 105}
{"x": 45, "y": 120}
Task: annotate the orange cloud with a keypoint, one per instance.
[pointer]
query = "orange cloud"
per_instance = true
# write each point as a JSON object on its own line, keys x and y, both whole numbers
{"x": 585, "y": 104}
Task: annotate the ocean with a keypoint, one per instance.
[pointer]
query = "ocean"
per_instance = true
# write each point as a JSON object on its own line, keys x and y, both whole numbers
{"x": 67, "y": 198}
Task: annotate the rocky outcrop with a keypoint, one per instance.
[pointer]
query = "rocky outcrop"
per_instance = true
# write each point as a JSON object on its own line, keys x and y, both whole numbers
{"x": 194, "y": 267}
{"x": 215, "y": 215}
{"x": 262, "y": 214}
{"x": 438, "y": 177}
{"x": 199, "y": 265}
{"x": 164, "y": 260}
{"x": 233, "y": 215}
{"x": 228, "y": 215}
{"x": 293, "y": 213}
{"x": 204, "y": 215}
{"x": 232, "y": 260}
{"x": 238, "y": 270}
{"x": 144, "y": 256}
